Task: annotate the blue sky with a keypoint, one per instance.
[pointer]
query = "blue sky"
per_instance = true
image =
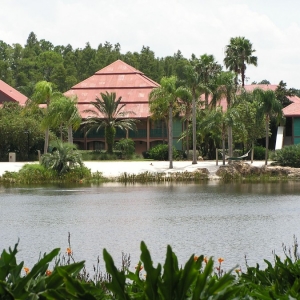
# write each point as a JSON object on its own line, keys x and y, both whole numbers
{"x": 191, "y": 26}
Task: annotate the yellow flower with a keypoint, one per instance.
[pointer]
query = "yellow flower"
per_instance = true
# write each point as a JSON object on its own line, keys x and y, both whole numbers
{"x": 237, "y": 271}
{"x": 48, "y": 273}
{"x": 69, "y": 251}
{"x": 220, "y": 260}
{"x": 26, "y": 270}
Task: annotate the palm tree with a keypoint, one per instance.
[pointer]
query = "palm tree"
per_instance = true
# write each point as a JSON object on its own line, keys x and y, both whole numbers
{"x": 185, "y": 101}
{"x": 268, "y": 107}
{"x": 226, "y": 88}
{"x": 63, "y": 111}
{"x": 208, "y": 69}
{"x": 217, "y": 122}
{"x": 194, "y": 82}
{"x": 239, "y": 53}
{"x": 44, "y": 94}
{"x": 166, "y": 97}
{"x": 109, "y": 114}
{"x": 63, "y": 158}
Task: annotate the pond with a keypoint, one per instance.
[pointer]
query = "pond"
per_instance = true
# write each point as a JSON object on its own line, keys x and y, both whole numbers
{"x": 222, "y": 220}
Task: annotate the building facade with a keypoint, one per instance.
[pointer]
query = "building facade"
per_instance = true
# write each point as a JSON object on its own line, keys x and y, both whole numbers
{"x": 134, "y": 88}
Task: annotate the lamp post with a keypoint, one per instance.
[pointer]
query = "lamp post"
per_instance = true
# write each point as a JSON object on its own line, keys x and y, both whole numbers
{"x": 27, "y": 132}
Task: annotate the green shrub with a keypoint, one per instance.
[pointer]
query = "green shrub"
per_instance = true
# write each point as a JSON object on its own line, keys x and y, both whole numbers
{"x": 63, "y": 158}
{"x": 288, "y": 156}
{"x": 126, "y": 146}
{"x": 161, "y": 152}
{"x": 259, "y": 152}
{"x": 99, "y": 155}
{"x": 76, "y": 174}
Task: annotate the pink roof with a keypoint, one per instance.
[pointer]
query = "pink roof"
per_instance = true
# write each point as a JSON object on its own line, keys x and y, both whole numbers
{"x": 8, "y": 93}
{"x": 127, "y": 82}
{"x": 265, "y": 87}
{"x": 289, "y": 111}
{"x": 293, "y": 110}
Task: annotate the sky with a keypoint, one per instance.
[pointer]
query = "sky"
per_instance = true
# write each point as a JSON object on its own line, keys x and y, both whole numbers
{"x": 166, "y": 26}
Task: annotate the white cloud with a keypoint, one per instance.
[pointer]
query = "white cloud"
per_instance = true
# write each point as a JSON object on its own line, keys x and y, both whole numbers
{"x": 192, "y": 26}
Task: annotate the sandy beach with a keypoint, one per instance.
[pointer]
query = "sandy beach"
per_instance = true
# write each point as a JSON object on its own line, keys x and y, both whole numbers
{"x": 116, "y": 168}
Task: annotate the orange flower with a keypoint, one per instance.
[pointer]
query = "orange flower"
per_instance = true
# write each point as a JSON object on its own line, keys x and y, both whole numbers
{"x": 195, "y": 258}
{"x": 48, "y": 273}
{"x": 69, "y": 251}
{"x": 26, "y": 270}
{"x": 205, "y": 259}
{"x": 141, "y": 267}
{"x": 220, "y": 260}
{"x": 238, "y": 270}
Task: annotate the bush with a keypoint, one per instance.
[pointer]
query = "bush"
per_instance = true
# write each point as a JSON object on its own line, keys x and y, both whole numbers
{"x": 259, "y": 152}
{"x": 288, "y": 156}
{"x": 161, "y": 152}
{"x": 63, "y": 158}
{"x": 126, "y": 146}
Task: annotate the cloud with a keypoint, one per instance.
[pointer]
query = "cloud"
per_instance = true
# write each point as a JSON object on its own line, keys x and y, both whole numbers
{"x": 194, "y": 26}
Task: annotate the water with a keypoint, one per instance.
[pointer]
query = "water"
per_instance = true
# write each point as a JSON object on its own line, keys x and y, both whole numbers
{"x": 220, "y": 220}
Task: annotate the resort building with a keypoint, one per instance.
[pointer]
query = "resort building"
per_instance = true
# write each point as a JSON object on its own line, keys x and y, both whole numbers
{"x": 134, "y": 88}
{"x": 288, "y": 133}
{"x": 9, "y": 94}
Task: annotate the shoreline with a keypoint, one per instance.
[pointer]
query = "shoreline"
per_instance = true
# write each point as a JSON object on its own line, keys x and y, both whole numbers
{"x": 113, "y": 169}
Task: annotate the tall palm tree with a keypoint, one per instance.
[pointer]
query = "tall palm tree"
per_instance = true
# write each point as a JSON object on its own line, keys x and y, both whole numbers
{"x": 44, "y": 94}
{"x": 208, "y": 69}
{"x": 226, "y": 88}
{"x": 239, "y": 54}
{"x": 268, "y": 107}
{"x": 109, "y": 114}
{"x": 166, "y": 97}
{"x": 185, "y": 102}
{"x": 194, "y": 81}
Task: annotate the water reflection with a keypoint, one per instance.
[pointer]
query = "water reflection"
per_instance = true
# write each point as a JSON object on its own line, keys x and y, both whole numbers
{"x": 228, "y": 220}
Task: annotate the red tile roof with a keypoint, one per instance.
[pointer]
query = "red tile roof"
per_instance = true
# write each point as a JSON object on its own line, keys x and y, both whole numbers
{"x": 127, "y": 82}
{"x": 289, "y": 111}
{"x": 8, "y": 93}
{"x": 293, "y": 110}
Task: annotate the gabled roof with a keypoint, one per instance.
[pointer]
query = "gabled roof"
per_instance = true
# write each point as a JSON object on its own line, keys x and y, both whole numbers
{"x": 9, "y": 94}
{"x": 127, "y": 82}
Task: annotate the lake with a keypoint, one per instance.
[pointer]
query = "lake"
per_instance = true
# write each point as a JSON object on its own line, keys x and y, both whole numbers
{"x": 214, "y": 219}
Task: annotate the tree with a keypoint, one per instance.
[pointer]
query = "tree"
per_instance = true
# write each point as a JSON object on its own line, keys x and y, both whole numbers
{"x": 166, "y": 96}
{"x": 194, "y": 82}
{"x": 208, "y": 69}
{"x": 186, "y": 101}
{"x": 63, "y": 158}
{"x": 109, "y": 114}
{"x": 239, "y": 53}
{"x": 250, "y": 128}
{"x": 268, "y": 107}
{"x": 43, "y": 94}
{"x": 226, "y": 88}
{"x": 63, "y": 112}
{"x": 282, "y": 93}
{"x": 20, "y": 132}
{"x": 217, "y": 123}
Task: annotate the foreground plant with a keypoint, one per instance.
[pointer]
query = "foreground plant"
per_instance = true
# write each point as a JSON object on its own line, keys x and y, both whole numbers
{"x": 194, "y": 281}
{"x": 42, "y": 283}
